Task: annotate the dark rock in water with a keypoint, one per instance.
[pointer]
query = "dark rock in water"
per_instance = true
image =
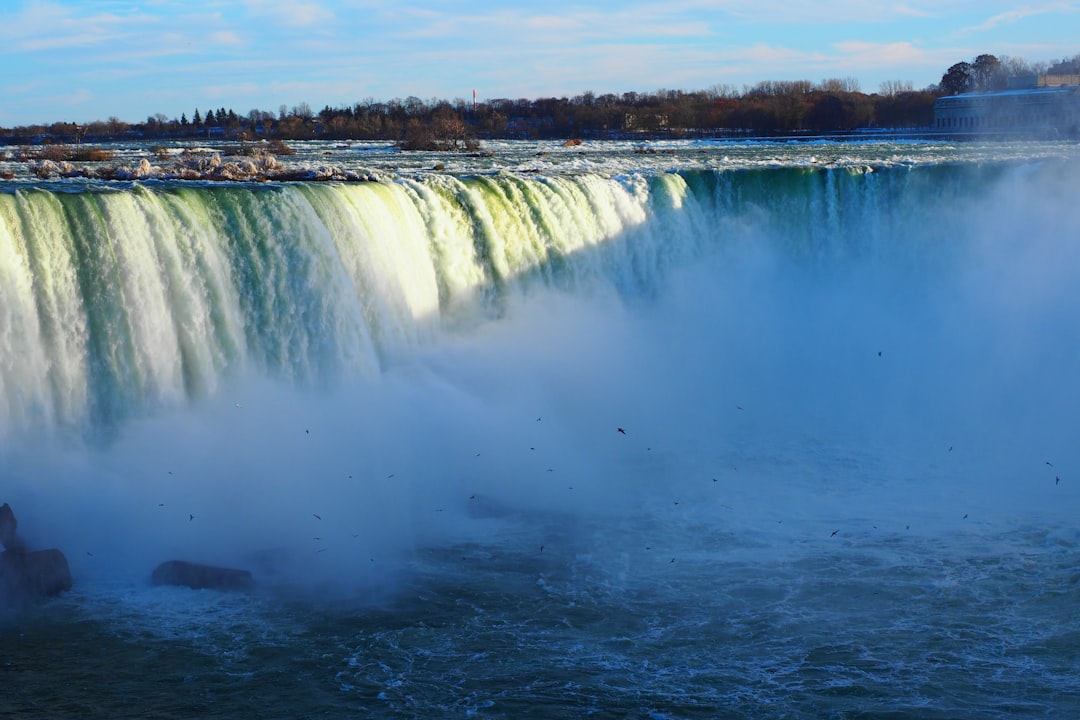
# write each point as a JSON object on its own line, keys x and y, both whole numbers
{"x": 8, "y": 524}
{"x": 198, "y": 577}
{"x": 28, "y": 575}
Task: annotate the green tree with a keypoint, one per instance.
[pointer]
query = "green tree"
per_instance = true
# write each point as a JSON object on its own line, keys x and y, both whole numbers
{"x": 987, "y": 73}
{"x": 957, "y": 79}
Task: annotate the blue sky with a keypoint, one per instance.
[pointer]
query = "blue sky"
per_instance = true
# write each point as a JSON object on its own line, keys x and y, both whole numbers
{"x": 81, "y": 61}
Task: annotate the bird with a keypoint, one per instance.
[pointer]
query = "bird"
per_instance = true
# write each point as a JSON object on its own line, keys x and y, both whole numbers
{"x": 621, "y": 431}
{"x": 1057, "y": 480}
{"x": 879, "y": 353}
{"x": 833, "y": 533}
{"x": 1050, "y": 463}
{"x": 317, "y": 517}
{"x": 537, "y": 419}
{"x": 965, "y": 516}
{"x": 190, "y": 517}
{"x": 541, "y": 548}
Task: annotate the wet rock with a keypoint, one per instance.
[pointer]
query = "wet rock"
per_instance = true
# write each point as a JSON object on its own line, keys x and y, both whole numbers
{"x": 27, "y": 575}
{"x": 200, "y": 577}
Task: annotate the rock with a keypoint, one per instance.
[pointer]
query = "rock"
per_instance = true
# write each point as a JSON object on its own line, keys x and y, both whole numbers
{"x": 24, "y": 574}
{"x": 8, "y": 525}
{"x": 30, "y": 575}
{"x": 199, "y": 577}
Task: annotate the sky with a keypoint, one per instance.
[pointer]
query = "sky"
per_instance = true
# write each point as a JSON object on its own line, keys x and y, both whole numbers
{"x": 82, "y": 60}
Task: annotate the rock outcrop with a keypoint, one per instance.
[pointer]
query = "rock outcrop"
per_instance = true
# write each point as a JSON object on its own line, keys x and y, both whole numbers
{"x": 199, "y": 577}
{"x": 27, "y": 575}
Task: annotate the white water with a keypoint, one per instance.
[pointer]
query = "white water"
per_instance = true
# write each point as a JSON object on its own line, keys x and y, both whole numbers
{"x": 376, "y": 355}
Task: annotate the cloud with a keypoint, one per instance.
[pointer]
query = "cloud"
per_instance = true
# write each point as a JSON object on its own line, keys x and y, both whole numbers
{"x": 290, "y": 12}
{"x": 862, "y": 54}
{"x": 226, "y": 37}
{"x": 1011, "y": 17}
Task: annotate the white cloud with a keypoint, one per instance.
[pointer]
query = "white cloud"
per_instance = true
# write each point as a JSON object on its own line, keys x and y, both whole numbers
{"x": 290, "y": 12}
{"x": 1010, "y": 17}
{"x": 226, "y": 37}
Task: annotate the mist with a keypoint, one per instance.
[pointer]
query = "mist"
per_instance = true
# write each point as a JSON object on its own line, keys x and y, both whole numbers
{"x": 892, "y": 382}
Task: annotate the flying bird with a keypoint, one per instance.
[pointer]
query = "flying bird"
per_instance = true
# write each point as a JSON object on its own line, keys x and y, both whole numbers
{"x": 621, "y": 431}
{"x": 317, "y": 517}
{"x": 833, "y": 533}
{"x": 190, "y": 517}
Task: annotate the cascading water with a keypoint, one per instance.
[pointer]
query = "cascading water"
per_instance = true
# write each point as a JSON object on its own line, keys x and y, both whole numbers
{"x": 844, "y": 482}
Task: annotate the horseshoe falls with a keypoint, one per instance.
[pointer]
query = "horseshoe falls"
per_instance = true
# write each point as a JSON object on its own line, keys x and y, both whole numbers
{"x": 729, "y": 431}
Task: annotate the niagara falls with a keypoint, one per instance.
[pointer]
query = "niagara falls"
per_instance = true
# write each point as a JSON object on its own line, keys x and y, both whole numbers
{"x": 730, "y": 429}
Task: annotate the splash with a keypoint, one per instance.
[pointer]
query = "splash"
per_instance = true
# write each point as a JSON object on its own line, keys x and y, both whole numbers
{"x": 337, "y": 374}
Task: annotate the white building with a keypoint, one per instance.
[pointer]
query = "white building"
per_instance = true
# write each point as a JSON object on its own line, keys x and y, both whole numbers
{"x": 1052, "y": 109}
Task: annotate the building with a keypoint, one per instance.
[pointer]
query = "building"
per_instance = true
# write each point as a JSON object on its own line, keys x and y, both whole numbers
{"x": 1052, "y": 108}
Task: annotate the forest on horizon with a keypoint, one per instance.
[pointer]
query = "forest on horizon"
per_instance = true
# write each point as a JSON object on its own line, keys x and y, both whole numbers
{"x": 769, "y": 107}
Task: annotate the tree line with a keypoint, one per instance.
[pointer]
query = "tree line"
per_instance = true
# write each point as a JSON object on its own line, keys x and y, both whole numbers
{"x": 987, "y": 73}
{"x": 769, "y": 107}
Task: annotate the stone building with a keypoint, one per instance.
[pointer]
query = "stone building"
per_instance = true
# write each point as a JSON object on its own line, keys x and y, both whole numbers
{"x": 1050, "y": 108}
